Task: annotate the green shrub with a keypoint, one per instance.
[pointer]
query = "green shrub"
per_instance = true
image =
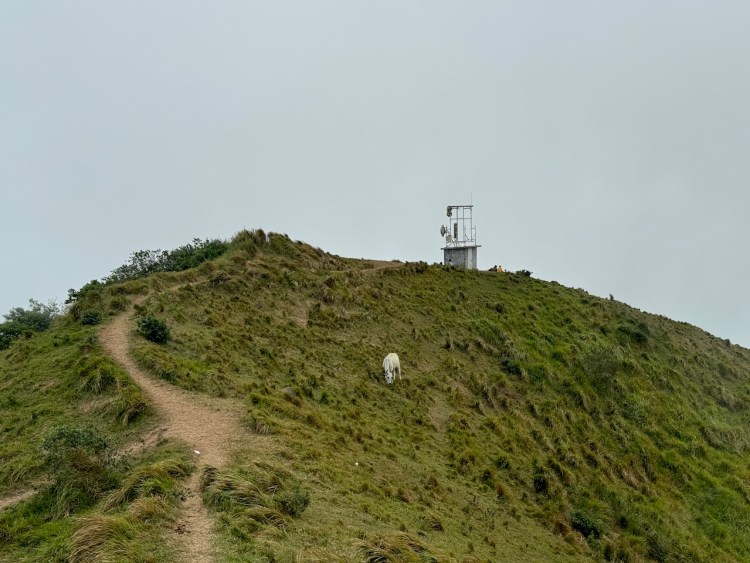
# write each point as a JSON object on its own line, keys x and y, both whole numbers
{"x": 145, "y": 262}
{"x": 78, "y": 463}
{"x": 293, "y": 502}
{"x": 57, "y": 446}
{"x": 38, "y": 317}
{"x": 511, "y": 366}
{"x": 585, "y": 524}
{"x": 74, "y": 296}
{"x": 600, "y": 361}
{"x": 193, "y": 254}
{"x": 9, "y": 332}
{"x": 153, "y": 329}
{"x": 90, "y": 317}
{"x": 540, "y": 481}
{"x": 637, "y": 334}
{"x": 24, "y": 322}
{"x": 96, "y": 372}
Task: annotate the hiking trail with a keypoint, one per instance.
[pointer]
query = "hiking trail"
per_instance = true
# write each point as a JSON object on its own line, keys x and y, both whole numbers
{"x": 206, "y": 424}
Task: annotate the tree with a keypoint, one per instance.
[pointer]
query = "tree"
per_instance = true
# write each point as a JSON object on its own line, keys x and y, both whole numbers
{"x": 38, "y": 317}
{"x": 19, "y": 321}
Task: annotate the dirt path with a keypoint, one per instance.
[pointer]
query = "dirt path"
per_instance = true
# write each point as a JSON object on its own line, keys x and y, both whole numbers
{"x": 207, "y": 425}
{"x": 16, "y": 498}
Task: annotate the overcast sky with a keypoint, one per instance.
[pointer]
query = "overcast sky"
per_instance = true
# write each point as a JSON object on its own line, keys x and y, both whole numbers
{"x": 604, "y": 144}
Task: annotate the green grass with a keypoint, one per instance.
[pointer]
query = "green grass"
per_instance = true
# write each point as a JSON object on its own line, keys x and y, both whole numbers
{"x": 67, "y": 410}
{"x": 128, "y": 521}
{"x": 59, "y": 378}
{"x": 534, "y": 422}
{"x": 530, "y": 414}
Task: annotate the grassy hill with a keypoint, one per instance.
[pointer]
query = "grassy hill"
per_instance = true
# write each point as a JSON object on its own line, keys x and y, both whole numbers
{"x": 534, "y": 422}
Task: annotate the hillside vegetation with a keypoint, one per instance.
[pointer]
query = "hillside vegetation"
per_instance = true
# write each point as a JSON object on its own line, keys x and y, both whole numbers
{"x": 533, "y": 422}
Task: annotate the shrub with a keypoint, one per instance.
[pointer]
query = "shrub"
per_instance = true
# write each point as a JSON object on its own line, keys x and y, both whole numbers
{"x": 502, "y": 462}
{"x": 118, "y": 303}
{"x": 511, "y": 366}
{"x": 61, "y": 440}
{"x": 90, "y": 317}
{"x": 585, "y": 524}
{"x": 600, "y": 361}
{"x": 9, "y": 332}
{"x": 74, "y": 296}
{"x": 145, "y": 262}
{"x": 637, "y": 334}
{"x": 540, "y": 481}
{"x": 24, "y": 322}
{"x": 293, "y": 502}
{"x": 153, "y": 329}
{"x": 38, "y": 317}
{"x": 193, "y": 254}
{"x": 78, "y": 462}
{"x": 96, "y": 373}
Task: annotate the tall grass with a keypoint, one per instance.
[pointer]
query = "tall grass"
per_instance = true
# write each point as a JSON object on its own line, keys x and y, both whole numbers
{"x": 534, "y": 422}
{"x": 538, "y": 395}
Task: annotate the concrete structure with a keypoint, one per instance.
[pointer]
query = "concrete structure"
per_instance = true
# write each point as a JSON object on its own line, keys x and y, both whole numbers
{"x": 461, "y": 246}
{"x": 461, "y": 257}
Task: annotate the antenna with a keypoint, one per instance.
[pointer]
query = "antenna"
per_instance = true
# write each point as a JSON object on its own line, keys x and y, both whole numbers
{"x": 460, "y": 236}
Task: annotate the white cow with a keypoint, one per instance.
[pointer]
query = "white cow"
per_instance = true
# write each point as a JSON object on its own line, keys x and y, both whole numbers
{"x": 391, "y": 366}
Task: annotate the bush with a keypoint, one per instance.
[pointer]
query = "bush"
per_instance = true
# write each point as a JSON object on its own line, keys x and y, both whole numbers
{"x": 9, "y": 332}
{"x": 293, "y": 502}
{"x": 145, "y": 262}
{"x": 58, "y": 445}
{"x": 511, "y": 366}
{"x": 540, "y": 481}
{"x": 24, "y": 322}
{"x": 601, "y": 361}
{"x": 91, "y": 317}
{"x": 96, "y": 372}
{"x": 153, "y": 329}
{"x": 585, "y": 524}
{"x": 636, "y": 334}
{"x": 38, "y": 317}
{"x": 74, "y": 296}
{"x": 78, "y": 462}
{"x": 193, "y": 254}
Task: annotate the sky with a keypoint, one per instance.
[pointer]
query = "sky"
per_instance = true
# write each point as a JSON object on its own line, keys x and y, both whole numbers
{"x": 604, "y": 145}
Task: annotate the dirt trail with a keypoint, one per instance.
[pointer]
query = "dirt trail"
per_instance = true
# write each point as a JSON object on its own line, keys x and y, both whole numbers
{"x": 207, "y": 425}
{"x": 16, "y": 498}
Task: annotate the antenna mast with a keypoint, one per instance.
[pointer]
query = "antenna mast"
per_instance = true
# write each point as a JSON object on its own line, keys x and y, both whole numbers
{"x": 460, "y": 237}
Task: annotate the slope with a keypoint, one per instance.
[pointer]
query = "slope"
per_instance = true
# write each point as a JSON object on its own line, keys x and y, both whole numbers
{"x": 207, "y": 427}
{"x": 533, "y": 419}
{"x": 534, "y": 422}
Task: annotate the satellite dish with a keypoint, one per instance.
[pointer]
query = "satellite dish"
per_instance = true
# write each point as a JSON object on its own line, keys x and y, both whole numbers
{"x": 443, "y": 230}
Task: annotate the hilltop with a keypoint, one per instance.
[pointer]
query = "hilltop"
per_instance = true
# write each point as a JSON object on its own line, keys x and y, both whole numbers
{"x": 534, "y": 422}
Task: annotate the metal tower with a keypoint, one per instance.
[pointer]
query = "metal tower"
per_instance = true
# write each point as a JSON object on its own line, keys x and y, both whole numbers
{"x": 460, "y": 234}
